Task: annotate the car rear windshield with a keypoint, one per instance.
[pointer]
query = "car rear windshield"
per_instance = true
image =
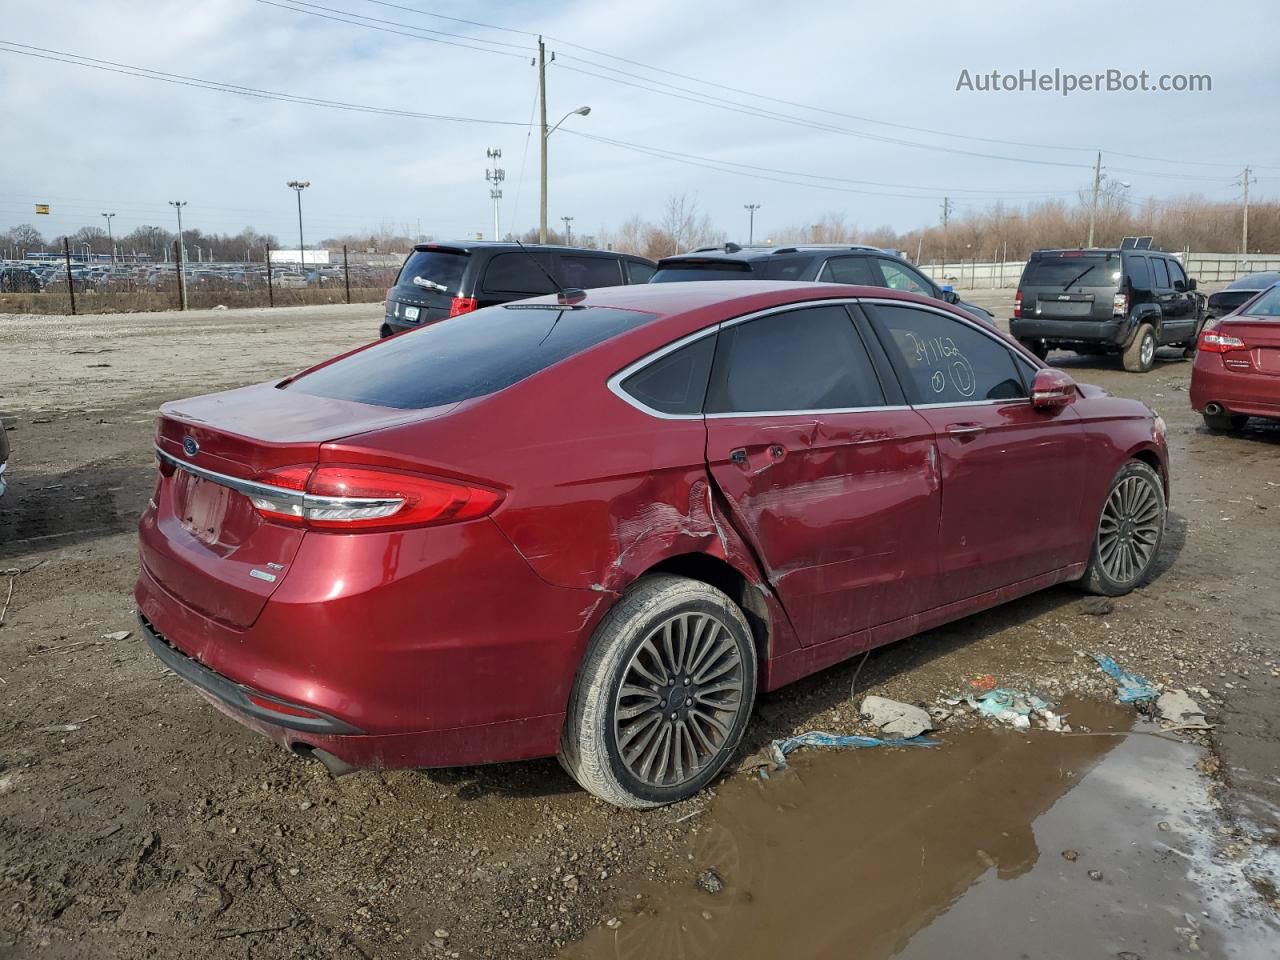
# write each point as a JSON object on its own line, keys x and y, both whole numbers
{"x": 706, "y": 270}
{"x": 466, "y": 356}
{"x": 1072, "y": 271}
{"x": 440, "y": 267}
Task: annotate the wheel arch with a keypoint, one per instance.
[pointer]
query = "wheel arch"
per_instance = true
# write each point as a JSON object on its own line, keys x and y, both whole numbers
{"x": 1148, "y": 454}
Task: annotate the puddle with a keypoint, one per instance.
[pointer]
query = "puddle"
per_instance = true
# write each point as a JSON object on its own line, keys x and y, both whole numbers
{"x": 957, "y": 851}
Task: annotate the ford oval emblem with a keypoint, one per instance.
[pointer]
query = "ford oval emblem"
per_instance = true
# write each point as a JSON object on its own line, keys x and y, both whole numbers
{"x": 189, "y": 446}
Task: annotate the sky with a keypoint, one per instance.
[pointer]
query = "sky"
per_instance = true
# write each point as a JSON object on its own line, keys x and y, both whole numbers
{"x": 865, "y": 120}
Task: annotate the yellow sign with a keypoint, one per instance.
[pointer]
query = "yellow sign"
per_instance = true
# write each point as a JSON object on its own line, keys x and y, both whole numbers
{"x": 42, "y": 208}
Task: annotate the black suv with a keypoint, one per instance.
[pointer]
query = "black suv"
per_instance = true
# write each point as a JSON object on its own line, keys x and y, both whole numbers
{"x": 825, "y": 263}
{"x": 441, "y": 280}
{"x": 1124, "y": 301}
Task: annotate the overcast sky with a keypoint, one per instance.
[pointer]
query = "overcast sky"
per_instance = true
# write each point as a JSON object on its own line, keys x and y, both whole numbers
{"x": 87, "y": 141}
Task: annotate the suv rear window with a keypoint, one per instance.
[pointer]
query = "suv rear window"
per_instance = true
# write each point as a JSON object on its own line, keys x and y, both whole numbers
{"x": 1069, "y": 271}
{"x": 702, "y": 270}
{"x": 466, "y": 356}
{"x": 443, "y": 267}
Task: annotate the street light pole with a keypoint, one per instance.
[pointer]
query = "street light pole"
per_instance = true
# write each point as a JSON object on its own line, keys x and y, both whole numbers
{"x": 298, "y": 186}
{"x": 751, "y": 209}
{"x": 546, "y": 134}
{"x": 182, "y": 254}
{"x": 568, "y": 231}
{"x": 110, "y": 239}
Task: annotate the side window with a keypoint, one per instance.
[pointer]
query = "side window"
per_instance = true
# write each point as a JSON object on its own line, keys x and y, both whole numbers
{"x": 517, "y": 273}
{"x": 1177, "y": 275}
{"x": 788, "y": 268}
{"x": 588, "y": 272}
{"x": 675, "y": 383}
{"x": 638, "y": 272}
{"x": 941, "y": 360}
{"x": 900, "y": 277}
{"x": 807, "y": 359}
{"x": 1139, "y": 274}
{"x": 1162, "y": 273}
{"x": 849, "y": 270}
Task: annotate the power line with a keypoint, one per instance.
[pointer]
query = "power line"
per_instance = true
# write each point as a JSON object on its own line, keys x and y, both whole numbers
{"x": 145, "y": 73}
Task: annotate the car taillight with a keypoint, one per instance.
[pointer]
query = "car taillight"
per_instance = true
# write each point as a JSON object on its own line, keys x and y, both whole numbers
{"x": 461, "y": 305}
{"x": 1213, "y": 342}
{"x": 1120, "y": 305}
{"x": 390, "y": 305}
{"x": 360, "y": 498}
{"x": 1017, "y": 304}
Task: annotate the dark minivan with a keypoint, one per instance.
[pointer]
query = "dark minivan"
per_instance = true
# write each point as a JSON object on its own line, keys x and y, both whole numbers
{"x": 440, "y": 280}
{"x": 1097, "y": 301}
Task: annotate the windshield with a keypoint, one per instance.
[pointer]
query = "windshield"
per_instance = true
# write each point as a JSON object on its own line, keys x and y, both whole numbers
{"x": 1254, "y": 281}
{"x": 1267, "y": 305}
{"x": 1063, "y": 272}
{"x": 439, "y": 270}
{"x": 466, "y": 356}
{"x": 692, "y": 270}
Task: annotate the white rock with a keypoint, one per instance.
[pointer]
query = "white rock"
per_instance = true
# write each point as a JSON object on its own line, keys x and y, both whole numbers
{"x": 894, "y": 719}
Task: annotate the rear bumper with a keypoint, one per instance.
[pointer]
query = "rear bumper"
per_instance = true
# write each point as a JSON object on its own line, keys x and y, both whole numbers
{"x": 1113, "y": 332}
{"x": 1249, "y": 393}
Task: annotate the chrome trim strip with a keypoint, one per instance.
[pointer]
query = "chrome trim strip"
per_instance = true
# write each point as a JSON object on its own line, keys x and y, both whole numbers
{"x": 281, "y": 495}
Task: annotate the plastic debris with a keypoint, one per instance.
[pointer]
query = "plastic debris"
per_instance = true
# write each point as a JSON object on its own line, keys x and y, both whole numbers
{"x": 1176, "y": 709}
{"x": 1016, "y": 708}
{"x": 895, "y": 719}
{"x": 1133, "y": 687}
{"x": 779, "y": 749}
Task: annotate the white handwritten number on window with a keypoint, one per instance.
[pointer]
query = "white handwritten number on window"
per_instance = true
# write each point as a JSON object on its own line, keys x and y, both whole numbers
{"x": 942, "y": 354}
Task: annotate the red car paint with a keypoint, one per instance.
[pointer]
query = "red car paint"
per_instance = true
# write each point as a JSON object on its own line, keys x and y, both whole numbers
{"x": 1237, "y": 367}
{"x": 459, "y": 642}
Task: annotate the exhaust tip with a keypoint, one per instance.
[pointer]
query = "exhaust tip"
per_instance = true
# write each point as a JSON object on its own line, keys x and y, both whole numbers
{"x": 336, "y": 766}
{"x": 1213, "y": 409}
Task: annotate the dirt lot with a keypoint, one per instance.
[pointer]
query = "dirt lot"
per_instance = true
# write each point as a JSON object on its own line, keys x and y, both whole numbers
{"x": 135, "y": 821}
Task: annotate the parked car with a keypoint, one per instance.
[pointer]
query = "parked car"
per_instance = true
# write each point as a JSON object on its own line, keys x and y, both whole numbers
{"x": 1238, "y": 292}
{"x": 825, "y": 263}
{"x": 1236, "y": 374}
{"x": 1107, "y": 301}
{"x": 596, "y": 529}
{"x": 18, "y": 280}
{"x": 440, "y": 280}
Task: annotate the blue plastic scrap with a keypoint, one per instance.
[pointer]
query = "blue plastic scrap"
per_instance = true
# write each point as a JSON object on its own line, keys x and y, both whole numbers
{"x": 779, "y": 749}
{"x": 1132, "y": 686}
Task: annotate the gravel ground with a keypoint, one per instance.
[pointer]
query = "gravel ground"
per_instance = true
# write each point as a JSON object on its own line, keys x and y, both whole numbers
{"x": 135, "y": 821}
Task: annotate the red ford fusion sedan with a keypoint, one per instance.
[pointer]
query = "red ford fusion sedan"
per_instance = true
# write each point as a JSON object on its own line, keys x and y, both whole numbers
{"x": 1237, "y": 369}
{"x": 596, "y": 525}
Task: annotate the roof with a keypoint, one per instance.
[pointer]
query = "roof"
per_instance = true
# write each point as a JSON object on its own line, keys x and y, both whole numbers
{"x": 470, "y": 245}
{"x": 1079, "y": 251}
{"x": 736, "y": 252}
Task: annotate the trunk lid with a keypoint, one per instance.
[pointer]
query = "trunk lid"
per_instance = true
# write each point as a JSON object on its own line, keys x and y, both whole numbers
{"x": 203, "y": 541}
{"x": 1261, "y": 335}
{"x": 430, "y": 279}
{"x": 1071, "y": 285}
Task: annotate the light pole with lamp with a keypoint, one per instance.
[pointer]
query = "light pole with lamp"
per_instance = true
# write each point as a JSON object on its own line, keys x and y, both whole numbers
{"x": 542, "y": 216}
{"x": 298, "y": 186}
{"x": 110, "y": 240}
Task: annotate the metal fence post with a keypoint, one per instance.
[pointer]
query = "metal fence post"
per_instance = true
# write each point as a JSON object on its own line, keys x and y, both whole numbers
{"x": 346, "y": 272}
{"x": 271, "y": 290}
{"x": 182, "y": 286}
{"x": 71, "y": 285}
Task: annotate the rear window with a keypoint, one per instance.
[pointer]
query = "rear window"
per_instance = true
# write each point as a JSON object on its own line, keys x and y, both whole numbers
{"x": 466, "y": 356}
{"x": 1071, "y": 271}
{"x": 441, "y": 267}
{"x": 706, "y": 270}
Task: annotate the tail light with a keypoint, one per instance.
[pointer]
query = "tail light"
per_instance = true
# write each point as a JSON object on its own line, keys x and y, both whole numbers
{"x": 361, "y": 498}
{"x": 461, "y": 305}
{"x": 1017, "y": 304}
{"x": 390, "y": 305}
{"x": 1120, "y": 305}
{"x": 1213, "y": 342}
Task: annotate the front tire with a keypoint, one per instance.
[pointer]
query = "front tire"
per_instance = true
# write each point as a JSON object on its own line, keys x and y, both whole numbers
{"x": 1140, "y": 355}
{"x": 663, "y": 696}
{"x": 1130, "y": 529}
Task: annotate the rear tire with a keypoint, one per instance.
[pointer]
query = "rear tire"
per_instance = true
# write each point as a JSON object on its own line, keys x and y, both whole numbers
{"x": 1130, "y": 530}
{"x": 663, "y": 696}
{"x": 1037, "y": 348}
{"x": 385, "y": 332}
{"x": 1140, "y": 355}
{"x": 1224, "y": 422}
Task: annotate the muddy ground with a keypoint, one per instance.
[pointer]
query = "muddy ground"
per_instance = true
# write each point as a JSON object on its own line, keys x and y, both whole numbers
{"x": 135, "y": 821}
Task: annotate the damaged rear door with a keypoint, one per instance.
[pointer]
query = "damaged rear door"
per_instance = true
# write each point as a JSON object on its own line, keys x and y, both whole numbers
{"x": 829, "y": 474}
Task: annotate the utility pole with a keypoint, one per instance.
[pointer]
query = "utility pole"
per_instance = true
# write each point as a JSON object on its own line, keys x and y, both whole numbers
{"x": 181, "y": 258}
{"x": 751, "y": 209}
{"x": 542, "y": 113}
{"x": 946, "y": 218}
{"x": 1093, "y": 207}
{"x": 112, "y": 243}
{"x": 1244, "y": 228}
{"x": 568, "y": 230}
{"x": 495, "y": 177}
{"x": 298, "y": 186}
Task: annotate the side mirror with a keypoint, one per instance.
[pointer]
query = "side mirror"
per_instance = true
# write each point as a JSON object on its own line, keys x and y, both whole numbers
{"x": 949, "y": 295}
{"x": 1191, "y": 283}
{"x": 1052, "y": 389}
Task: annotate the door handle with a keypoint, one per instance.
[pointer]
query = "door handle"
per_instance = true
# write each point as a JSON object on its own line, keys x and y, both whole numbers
{"x": 738, "y": 456}
{"x": 965, "y": 431}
